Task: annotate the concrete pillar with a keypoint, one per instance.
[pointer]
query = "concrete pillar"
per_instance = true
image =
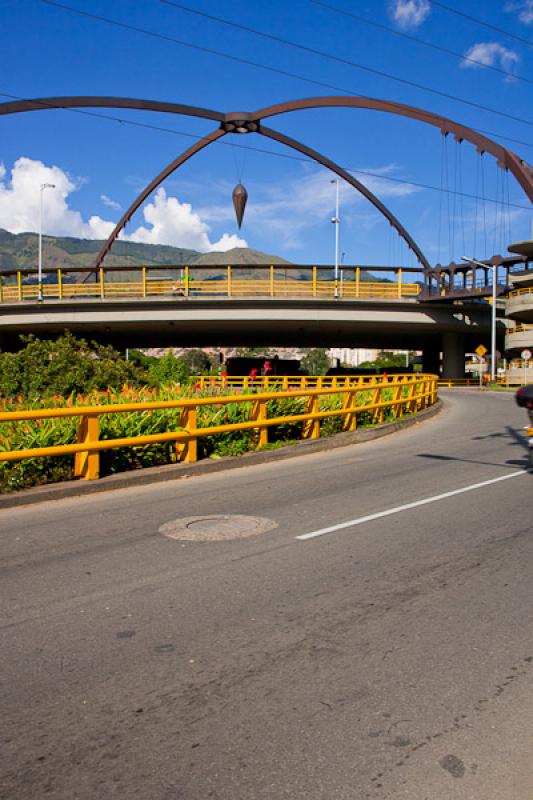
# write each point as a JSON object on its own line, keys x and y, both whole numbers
{"x": 431, "y": 359}
{"x": 453, "y": 355}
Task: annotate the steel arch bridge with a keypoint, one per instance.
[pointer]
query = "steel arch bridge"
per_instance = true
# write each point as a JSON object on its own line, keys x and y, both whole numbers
{"x": 245, "y": 122}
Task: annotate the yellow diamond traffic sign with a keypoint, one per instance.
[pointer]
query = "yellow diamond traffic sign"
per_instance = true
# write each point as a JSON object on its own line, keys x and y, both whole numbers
{"x": 481, "y": 350}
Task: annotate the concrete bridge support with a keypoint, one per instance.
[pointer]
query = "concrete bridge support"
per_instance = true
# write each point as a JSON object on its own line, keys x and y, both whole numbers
{"x": 453, "y": 355}
{"x": 431, "y": 358}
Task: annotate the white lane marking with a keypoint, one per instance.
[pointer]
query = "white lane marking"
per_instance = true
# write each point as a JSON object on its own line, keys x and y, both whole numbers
{"x": 359, "y": 521}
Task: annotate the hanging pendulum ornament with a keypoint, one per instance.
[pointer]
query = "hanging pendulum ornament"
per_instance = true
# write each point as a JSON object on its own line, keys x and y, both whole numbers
{"x": 240, "y": 196}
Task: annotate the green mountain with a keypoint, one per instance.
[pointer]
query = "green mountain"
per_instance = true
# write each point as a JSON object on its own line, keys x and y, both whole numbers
{"x": 19, "y": 251}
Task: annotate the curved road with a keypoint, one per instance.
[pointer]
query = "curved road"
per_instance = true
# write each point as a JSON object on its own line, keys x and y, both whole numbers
{"x": 388, "y": 658}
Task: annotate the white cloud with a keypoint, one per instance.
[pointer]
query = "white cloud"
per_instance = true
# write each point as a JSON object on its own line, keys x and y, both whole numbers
{"x": 168, "y": 220}
{"x": 227, "y": 242}
{"x": 175, "y": 223}
{"x": 409, "y": 14}
{"x": 20, "y": 202}
{"x": 524, "y": 8}
{"x": 490, "y": 54}
{"x": 107, "y": 201}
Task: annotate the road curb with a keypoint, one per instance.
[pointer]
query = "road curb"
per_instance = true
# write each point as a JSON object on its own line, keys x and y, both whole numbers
{"x": 170, "y": 472}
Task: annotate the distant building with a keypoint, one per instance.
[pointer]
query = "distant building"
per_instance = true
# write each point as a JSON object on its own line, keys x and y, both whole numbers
{"x": 351, "y": 356}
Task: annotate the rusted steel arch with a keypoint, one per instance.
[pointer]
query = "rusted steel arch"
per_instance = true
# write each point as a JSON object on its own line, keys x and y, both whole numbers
{"x": 287, "y": 141}
{"x": 248, "y": 122}
{"x": 49, "y": 103}
{"x": 228, "y": 124}
{"x": 346, "y": 176}
{"x": 139, "y": 200}
{"x": 505, "y": 158}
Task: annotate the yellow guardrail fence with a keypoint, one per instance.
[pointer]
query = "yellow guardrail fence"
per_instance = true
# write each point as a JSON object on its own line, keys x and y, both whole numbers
{"x": 400, "y": 397}
{"x": 286, "y": 382}
{"x": 524, "y": 290}
{"x": 450, "y": 383}
{"x": 187, "y": 285}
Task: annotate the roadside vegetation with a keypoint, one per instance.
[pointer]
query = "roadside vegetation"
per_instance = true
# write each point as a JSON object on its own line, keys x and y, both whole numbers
{"x": 71, "y": 372}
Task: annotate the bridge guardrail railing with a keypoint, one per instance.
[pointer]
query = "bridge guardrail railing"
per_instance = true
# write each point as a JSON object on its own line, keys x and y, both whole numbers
{"x": 17, "y": 290}
{"x": 400, "y": 397}
{"x": 450, "y": 383}
{"x": 287, "y": 382}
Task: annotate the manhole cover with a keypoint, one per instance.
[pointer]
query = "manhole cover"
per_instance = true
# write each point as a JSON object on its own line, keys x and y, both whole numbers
{"x": 216, "y": 527}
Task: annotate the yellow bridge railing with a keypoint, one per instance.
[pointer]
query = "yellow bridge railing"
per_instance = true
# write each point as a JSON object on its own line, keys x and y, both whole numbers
{"x": 450, "y": 383}
{"x": 287, "y": 382}
{"x": 399, "y": 397}
{"x": 310, "y": 284}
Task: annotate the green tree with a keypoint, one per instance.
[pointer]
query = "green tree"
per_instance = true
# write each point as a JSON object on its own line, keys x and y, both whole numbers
{"x": 316, "y": 361}
{"x": 385, "y": 358}
{"x": 62, "y": 366}
{"x": 197, "y": 362}
{"x": 167, "y": 370}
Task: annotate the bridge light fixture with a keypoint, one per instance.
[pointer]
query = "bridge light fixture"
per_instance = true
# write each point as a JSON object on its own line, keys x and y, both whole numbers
{"x": 40, "y": 266}
{"x": 493, "y": 312}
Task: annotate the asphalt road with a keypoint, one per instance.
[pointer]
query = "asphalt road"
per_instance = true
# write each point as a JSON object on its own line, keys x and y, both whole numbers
{"x": 390, "y": 658}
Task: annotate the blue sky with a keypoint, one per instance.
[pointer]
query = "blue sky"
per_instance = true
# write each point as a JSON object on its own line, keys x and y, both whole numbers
{"x": 98, "y": 165}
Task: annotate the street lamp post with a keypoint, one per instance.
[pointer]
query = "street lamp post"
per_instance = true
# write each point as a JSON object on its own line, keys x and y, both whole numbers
{"x": 40, "y": 267}
{"x": 493, "y": 314}
{"x": 336, "y": 221}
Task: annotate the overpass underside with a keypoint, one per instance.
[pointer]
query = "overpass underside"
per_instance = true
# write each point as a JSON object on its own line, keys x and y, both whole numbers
{"x": 189, "y": 322}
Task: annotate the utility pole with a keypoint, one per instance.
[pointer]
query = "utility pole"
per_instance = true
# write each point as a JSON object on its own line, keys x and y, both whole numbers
{"x": 336, "y": 221}
{"x": 40, "y": 267}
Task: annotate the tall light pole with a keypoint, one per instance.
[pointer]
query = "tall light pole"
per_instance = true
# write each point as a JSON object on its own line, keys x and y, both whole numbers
{"x": 40, "y": 268}
{"x": 493, "y": 314}
{"x": 336, "y": 221}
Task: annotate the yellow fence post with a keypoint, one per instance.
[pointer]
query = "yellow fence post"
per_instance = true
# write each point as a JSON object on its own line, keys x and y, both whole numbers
{"x": 397, "y": 407}
{"x": 357, "y": 280}
{"x": 259, "y": 414}
{"x": 311, "y": 427}
{"x": 144, "y": 281}
{"x": 350, "y": 419}
{"x": 60, "y": 284}
{"x": 399, "y": 283}
{"x": 314, "y": 281}
{"x": 102, "y": 283}
{"x": 19, "y": 285}
{"x": 186, "y": 281}
{"x": 188, "y": 451}
{"x": 229, "y": 281}
{"x": 271, "y": 271}
{"x": 377, "y": 415}
{"x": 87, "y": 463}
{"x": 410, "y": 404}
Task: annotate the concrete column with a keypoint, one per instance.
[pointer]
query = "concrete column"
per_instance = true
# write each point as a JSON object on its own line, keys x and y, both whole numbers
{"x": 431, "y": 359}
{"x": 453, "y": 352}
